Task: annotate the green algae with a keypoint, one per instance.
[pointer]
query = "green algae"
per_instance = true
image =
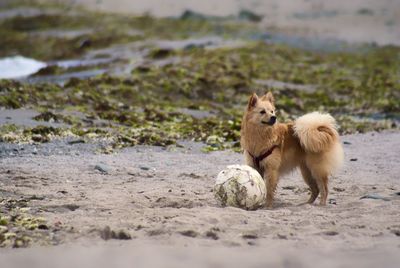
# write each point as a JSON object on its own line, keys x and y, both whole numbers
{"x": 19, "y": 228}
{"x": 146, "y": 107}
{"x": 27, "y": 35}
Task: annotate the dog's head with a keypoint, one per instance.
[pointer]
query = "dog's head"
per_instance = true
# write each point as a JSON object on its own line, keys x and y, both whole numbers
{"x": 261, "y": 110}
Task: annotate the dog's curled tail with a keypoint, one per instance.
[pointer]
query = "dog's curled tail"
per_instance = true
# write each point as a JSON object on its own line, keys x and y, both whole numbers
{"x": 316, "y": 131}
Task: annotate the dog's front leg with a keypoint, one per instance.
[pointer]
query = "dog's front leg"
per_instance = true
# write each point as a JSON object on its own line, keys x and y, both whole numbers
{"x": 249, "y": 160}
{"x": 271, "y": 181}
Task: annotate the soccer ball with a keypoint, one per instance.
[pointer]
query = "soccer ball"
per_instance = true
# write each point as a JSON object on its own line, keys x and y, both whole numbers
{"x": 240, "y": 186}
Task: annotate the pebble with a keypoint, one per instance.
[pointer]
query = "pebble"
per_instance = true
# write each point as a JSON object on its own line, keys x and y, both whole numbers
{"x": 249, "y": 236}
{"x": 374, "y": 196}
{"x": 332, "y": 201}
{"x": 144, "y": 168}
{"x": 107, "y": 234}
{"x": 211, "y": 234}
{"x": 189, "y": 233}
{"x": 102, "y": 168}
{"x": 76, "y": 141}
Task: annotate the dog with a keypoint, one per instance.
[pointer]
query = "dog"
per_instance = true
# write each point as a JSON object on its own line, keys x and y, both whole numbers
{"x": 310, "y": 143}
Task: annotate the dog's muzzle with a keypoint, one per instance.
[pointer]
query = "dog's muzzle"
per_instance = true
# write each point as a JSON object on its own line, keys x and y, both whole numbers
{"x": 271, "y": 121}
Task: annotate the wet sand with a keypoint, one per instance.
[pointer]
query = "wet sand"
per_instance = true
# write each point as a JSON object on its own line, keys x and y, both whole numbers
{"x": 351, "y": 21}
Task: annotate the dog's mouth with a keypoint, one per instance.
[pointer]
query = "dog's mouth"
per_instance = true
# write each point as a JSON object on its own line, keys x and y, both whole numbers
{"x": 271, "y": 121}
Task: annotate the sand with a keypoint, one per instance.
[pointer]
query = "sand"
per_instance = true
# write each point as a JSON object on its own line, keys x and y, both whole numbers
{"x": 163, "y": 199}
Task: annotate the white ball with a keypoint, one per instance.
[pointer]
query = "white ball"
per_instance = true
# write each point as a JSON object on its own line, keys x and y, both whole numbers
{"x": 240, "y": 186}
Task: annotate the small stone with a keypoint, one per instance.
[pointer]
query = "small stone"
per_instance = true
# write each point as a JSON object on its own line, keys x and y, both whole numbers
{"x": 330, "y": 233}
{"x": 211, "y": 234}
{"x": 43, "y": 227}
{"x": 332, "y": 201}
{"x": 281, "y": 236}
{"x": 71, "y": 207}
{"x": 347, "y": 142}
{"x": 121, "y": 235}
{"x": 76, "y": 141}
{"x": 249, "y": 236}
{"x": 144, "y": 168}
{"x": 103, "y": 168}
{"x": 34, "y": 151}
{"x": 338, "y": 189}
{"x": 353, "y": 159}
{"x": 396, "y": 232}
{"x": 189, "y": 233}
{"x": 374, "y": 196}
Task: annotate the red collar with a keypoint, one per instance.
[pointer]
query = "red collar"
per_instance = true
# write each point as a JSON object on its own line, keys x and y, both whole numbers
{"x": 258, "y": 159}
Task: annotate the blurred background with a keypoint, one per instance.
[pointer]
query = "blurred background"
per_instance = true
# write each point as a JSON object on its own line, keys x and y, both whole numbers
{"x": 201, "y": 59}
{"x": 352, "y": 21}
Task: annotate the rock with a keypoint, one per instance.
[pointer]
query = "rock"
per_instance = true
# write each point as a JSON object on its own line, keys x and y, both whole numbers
{"x": 43, "y": 227}
{"x": 191, "y": 15}
{"x": 374, "y": 196}
{"x": 145, "y": 168}
{"x": 189, "y": 233}
{"x": 330, "y": 233}
{"x": 212, "y": 234}
{"x": 353, "y": 159}
{"x": 121, "y": 235}
{"x": 332, "y": 201}
{"x": 249, "y": 16}
{"x": 76, "y": 141}
{"x": 396, "y": 232}
{"x": 338, "y": 189}
{"x": 103, "y": 168}
{"x": 108, "y": 234}
{"x": 346, "y": 142}
{"x": 249, "y": 236}
{"x": 71, "y": 207}
{"x": 281, "y": 236}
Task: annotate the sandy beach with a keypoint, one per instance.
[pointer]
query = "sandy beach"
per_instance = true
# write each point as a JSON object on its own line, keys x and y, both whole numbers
{"x": 162, "y": 198}
{"x": 115, "y": 120}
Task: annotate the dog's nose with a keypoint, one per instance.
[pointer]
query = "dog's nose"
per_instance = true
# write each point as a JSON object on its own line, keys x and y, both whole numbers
{"x": 273, "y": 118}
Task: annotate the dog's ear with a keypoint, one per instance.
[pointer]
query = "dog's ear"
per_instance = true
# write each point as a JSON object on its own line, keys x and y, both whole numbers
{"x": 269, "y": 97}
{"x": 252, "y": 101}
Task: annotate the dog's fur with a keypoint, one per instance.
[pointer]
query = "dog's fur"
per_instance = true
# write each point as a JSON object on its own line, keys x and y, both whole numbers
{"x": 311, "y": 143}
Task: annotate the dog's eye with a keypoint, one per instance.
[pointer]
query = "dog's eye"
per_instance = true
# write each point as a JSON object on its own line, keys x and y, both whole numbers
{"x": 272, "y": 112}
{"x": 262, "y": 112}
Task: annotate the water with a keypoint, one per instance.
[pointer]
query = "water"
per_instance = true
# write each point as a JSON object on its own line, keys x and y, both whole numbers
{"x": 19, "y": 66}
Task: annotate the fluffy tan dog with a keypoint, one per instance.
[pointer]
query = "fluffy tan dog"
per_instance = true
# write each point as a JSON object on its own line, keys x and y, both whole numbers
{"x": 311, "y": 143}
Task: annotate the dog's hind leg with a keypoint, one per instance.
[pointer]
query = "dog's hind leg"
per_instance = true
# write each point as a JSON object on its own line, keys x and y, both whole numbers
{"x": 311, "y": 182}
{"x": 322, "y": 182}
